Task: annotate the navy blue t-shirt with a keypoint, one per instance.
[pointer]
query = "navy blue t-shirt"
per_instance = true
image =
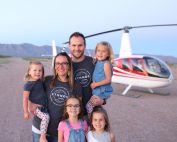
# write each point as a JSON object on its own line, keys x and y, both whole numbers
{"x": 83, "y": 72}
{"x": 56, "y": 97}
{"x": 37, "y": 93}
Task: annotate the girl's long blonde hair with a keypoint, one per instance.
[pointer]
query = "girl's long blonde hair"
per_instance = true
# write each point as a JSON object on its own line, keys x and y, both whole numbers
{"x": 110, "y": 51}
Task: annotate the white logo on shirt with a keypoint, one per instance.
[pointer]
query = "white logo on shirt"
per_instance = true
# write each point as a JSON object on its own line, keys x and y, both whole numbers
{"x": 59, "y": 95}
{"x": 83, "y": 76}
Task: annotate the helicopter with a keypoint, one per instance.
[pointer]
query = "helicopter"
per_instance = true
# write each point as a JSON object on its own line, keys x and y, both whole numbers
{"x": 136, "y": 70}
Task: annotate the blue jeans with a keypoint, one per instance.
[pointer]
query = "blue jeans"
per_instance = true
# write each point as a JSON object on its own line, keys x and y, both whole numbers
{"x": 36, "y": 138}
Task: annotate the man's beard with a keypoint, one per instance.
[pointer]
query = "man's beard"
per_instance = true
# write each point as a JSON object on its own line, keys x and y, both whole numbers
{"x": 79, "y": 56}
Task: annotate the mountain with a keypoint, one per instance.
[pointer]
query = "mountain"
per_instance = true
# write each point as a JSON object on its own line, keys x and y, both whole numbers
{"x": 168, "y": 59}
{"x": 30, "y": 50}
{"x": 24, "y": 50}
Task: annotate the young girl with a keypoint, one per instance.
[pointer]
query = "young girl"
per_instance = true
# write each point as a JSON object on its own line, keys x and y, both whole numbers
{"x": 102, "y": 74}
{"x": 100, "y": 127}
{"x": 72, "y": 128}
{"x": 34, "y": 92}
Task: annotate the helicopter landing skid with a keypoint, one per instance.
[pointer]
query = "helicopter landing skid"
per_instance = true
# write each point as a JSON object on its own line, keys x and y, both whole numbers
{"x": 128, "y": 95}
{"x": 154, "y": 92}
{"x": 135, "y": 95}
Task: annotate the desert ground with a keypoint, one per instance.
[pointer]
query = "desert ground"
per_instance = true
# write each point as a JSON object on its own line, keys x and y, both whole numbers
{"x": 137, "y": 117}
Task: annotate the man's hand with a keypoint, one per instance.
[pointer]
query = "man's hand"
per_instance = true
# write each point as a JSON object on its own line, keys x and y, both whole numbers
{"x": 96, "y": 100}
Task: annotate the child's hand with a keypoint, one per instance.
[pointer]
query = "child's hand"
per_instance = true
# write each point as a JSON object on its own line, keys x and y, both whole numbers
{"x": 43, "y": 138}
{"x": 26, "y": 115}
{"x": 93, "y": 85}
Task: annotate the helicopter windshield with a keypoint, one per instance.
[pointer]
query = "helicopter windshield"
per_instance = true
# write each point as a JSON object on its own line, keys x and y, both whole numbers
{"x": 156, "y": 68}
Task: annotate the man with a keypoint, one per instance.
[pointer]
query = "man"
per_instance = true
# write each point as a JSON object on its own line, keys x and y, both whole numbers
{"x": 82, "y": 67}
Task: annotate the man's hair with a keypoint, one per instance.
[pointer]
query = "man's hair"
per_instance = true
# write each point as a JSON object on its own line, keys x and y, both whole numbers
{"x": 77, "y": 34}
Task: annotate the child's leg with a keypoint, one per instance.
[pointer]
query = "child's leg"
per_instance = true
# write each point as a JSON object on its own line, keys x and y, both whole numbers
{"x": 44, "y": 123}
{"x": 90, "y": 105}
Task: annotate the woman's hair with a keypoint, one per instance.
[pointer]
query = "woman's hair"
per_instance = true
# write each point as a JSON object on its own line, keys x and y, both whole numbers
{"x": 27, "y": 76}
{"x": 65, "y": 114}
{"x": 77, "y": 34}
{"x": 70, "y": 72}
{"x": 109, "y": 49}
{"x": 100, "y": 109}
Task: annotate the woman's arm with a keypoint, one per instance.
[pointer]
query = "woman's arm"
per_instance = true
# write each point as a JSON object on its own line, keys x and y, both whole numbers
{"x": 108, "y": 75}
{"x": 32, "y": 107}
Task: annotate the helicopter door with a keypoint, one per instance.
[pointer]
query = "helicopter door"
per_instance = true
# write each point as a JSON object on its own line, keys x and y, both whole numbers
{"x": 126, "y": 65}
{"x": 137, "y": 66}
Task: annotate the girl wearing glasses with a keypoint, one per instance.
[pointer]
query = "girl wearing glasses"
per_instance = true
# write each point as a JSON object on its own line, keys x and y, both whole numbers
{"x": 72, "y": 128}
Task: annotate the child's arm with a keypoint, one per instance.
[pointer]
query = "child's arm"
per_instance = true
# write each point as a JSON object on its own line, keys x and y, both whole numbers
{"x": 107, "y": 80}
{"x": 113, "y": 139}
{"x": 25, "y": 104}
{"x": 60, "y": 136}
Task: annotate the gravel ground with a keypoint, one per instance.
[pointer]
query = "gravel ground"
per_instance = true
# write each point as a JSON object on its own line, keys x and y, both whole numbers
{"x": 146, "y": 118}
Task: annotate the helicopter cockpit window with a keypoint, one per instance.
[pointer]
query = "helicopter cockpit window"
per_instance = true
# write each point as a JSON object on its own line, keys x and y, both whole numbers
{"x": 156, "y": 68}
{"x": 137, "y": 66}
{"x": 126, "y": 64}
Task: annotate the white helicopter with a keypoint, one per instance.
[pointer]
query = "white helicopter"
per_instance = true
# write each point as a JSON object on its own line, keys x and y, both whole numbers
{"x": 137, "y": 70}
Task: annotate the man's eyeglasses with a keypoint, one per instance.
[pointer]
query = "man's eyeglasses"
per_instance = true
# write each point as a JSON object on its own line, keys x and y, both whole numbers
{"x": 61, "y": 64}
{"x": 74, "y": 106}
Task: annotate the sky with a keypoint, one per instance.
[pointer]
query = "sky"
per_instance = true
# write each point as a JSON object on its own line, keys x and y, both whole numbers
{"x": 40, "y": 21}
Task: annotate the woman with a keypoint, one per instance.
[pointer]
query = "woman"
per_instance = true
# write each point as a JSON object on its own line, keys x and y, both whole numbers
{"x": 58, "y": 88}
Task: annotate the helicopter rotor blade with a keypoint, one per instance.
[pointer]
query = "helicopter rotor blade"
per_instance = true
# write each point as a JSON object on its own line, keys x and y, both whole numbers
{"x": 100, "y": 33}
{"x": 146, "y": 26}
{"x": 126, "y": 29}
{"x": 110, "y": 31}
